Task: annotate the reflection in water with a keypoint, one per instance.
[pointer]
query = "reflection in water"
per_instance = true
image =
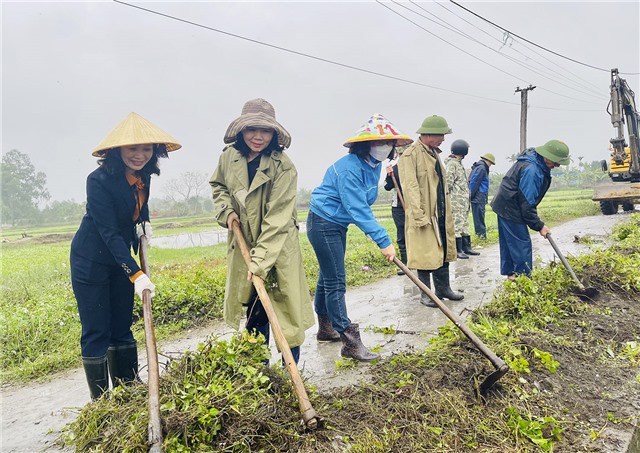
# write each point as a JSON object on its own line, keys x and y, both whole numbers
{"x": 203, "y": 239}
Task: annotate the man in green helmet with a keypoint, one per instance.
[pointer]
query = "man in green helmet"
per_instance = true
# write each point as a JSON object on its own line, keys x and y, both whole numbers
{"x": 516, "y": 201}
{"x": 479, "y": 192}
{"x": 429, "y": 231}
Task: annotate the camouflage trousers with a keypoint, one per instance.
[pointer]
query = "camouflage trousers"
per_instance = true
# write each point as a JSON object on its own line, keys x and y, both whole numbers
{"x": 461, "y": 207}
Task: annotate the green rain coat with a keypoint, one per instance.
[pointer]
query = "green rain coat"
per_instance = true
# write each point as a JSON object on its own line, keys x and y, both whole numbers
{"x": 268, "y": 220}
{"x": 419, "y": 179}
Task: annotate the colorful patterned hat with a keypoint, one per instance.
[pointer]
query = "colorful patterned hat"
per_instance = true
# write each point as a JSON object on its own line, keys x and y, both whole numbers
{"x": 135, "y": 130}
{"x": 379, "y": 128}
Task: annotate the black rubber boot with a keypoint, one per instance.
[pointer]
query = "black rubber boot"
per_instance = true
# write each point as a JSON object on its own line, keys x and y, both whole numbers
{"x": 441, "y": 282}
{"x": 123, "y": 363}
{"x": 352, "y": 347}
{"x": 425, "y": 277}
{"x": 95, "y": 368}
{"x": 466, "y": 246}
{"x": 326, "y": 332}
{"x": 459, "y": 250}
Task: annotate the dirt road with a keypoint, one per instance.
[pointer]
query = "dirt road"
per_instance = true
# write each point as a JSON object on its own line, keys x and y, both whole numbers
{"x": 33, "y": 415}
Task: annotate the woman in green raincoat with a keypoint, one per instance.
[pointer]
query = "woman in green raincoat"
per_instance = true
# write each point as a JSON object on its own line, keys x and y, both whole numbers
{"x": 255, "y": 184}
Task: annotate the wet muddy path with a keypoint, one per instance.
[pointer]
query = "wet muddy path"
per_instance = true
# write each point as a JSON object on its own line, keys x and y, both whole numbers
{"x": 33, "y": 414}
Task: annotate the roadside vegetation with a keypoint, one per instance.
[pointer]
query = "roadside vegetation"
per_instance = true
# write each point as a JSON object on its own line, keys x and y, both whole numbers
{"x": 574, "y": 380}
{"x": 39, "y": 324}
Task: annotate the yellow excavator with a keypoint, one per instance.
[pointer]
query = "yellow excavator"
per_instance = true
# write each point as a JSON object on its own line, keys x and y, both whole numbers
{"x": 623, "y": 167}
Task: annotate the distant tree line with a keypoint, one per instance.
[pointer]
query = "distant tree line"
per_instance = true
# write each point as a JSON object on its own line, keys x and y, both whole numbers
{"x": 25, "y": 198}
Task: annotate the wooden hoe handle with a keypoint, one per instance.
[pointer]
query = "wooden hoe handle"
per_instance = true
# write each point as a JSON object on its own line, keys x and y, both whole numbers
{"x": 308, "y": 413}
{"x": 155, "y": 426}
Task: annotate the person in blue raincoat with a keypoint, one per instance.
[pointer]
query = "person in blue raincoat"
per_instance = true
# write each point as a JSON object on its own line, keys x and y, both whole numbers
{"x": 345, "y": 196}
{"x": 479, "y": 192}
{"x": 516, "y": 201}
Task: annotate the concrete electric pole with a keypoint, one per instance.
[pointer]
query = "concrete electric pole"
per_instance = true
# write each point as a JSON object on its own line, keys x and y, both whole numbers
{"x": 523, "y": 115}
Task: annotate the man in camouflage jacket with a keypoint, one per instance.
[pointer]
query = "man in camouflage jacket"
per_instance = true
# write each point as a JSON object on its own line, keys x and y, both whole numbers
{"x": 459, "y": 192}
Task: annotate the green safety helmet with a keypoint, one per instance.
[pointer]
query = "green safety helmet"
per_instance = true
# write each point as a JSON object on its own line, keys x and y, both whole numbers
{"x": 436, "y": 125}
{"x": 556, "y": 151}
{"x": 490, "y": 157}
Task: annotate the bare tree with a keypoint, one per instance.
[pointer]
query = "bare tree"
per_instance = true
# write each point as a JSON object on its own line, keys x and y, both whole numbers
{"x": 190, "y": 185}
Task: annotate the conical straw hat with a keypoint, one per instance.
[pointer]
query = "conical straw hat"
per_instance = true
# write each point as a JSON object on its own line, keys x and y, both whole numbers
{"x": 135, "y": 130}
{"x": 379, "y": 128}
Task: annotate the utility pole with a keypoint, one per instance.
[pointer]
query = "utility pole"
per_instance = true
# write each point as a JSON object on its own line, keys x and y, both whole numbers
{"x": 523, "y": 115}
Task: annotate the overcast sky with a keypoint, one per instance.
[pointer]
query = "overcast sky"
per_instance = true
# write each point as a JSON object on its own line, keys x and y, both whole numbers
{"x": 72, "y": 70}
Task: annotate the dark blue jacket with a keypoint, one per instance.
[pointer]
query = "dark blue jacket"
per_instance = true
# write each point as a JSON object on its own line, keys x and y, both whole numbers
{"x": 522, "y": 189}
{"x": 479, "y": 183}
{"x": 107, "y": 231}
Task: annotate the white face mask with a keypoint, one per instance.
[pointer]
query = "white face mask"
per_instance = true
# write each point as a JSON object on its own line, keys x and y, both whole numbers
{"x": 380, "y": 151}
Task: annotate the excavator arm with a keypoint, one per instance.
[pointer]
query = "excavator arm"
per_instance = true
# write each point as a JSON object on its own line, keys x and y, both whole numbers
{"x": 623, "y": 110}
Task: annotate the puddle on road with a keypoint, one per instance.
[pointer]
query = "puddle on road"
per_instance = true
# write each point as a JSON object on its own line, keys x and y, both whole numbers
{"x": 202, "y": 239}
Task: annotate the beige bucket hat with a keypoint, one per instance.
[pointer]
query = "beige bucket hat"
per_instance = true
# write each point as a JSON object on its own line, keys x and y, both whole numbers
{"x": 257, "y": 113}
{"x": 135, "y": 130}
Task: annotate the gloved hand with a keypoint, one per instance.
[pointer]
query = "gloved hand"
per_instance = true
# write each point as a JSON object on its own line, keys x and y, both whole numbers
{"x": 143, "y": 282}
{"x": 144, "y": 228}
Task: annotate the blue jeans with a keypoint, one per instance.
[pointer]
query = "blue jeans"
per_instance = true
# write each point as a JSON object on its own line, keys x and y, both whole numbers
{"x": 516, "y": 254}
{"x": 329, "y": 241}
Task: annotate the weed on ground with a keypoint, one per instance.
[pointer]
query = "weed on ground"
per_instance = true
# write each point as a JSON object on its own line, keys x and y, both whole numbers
{"x": 574, "y": 382}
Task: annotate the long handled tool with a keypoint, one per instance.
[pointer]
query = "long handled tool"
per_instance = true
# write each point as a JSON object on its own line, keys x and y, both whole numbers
{"x": 155, "y": 426}
{"x": 584, "y": 293}
{"x": 501, "y": 367}
{"x": 309, "y": 416}
{"x": 398, "y": 193}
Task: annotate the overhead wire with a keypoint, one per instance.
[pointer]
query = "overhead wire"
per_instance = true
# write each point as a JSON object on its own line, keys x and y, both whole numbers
{"x": 325, "y": 60}
{"x": 537, "y": 45}
{"x": 451, "y": 28}
{"x": 587, "y": 85}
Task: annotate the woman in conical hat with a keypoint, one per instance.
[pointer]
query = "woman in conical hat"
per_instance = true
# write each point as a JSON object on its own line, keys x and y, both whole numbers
{"x": 349, "y": 188}
{"x": 255, "y": 184}
{"x": 104, "y": 273}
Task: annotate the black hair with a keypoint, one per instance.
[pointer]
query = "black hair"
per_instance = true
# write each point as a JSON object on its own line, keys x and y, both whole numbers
{"x": 244, "y": 149}
{"x": 360, "y": 149}
{"x": 113, "y": 164}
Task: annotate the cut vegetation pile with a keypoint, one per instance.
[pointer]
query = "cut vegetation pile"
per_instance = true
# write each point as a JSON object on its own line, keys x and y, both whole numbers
{"x": 574, "y": 383}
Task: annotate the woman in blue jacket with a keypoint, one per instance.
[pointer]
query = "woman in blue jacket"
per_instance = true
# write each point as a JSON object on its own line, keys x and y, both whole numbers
{"x": 104, "y": 273}
{"x": 349, "y": 188}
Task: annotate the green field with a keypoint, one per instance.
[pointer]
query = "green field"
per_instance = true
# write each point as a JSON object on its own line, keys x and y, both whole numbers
{"x": 40, "y": 328}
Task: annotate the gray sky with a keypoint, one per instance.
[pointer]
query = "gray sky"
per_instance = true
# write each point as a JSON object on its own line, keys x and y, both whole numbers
{"x": 72, "y": 71}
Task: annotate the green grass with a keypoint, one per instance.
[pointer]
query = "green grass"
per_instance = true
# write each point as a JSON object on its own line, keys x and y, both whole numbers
{"x": 39, "y": 324}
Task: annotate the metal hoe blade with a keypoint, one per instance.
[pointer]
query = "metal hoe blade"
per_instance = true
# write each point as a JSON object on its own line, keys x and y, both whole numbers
{"x": 501, "y": 367}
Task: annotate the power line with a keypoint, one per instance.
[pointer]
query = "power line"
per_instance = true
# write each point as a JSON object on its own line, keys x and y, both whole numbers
{"x": 468, "y": 53}
{"x": 593, "y": 88}
{"x": 324, "y": 60}
{"x": 537, "y": 45}
{"x": 512, "y": 59}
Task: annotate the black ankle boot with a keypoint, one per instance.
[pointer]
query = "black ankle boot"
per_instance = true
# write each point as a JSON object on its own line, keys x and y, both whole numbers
{"x": 459, "y": 251}
{"x": 95, "y": 368}
{"x": 326, "y": 332}
{"x": 123, "y": 363}
{"x": 466, "y": 246}
{"x": 352, "y": 346}
{"x": 425, "y": 277}
{"x": 441, "y": 282}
